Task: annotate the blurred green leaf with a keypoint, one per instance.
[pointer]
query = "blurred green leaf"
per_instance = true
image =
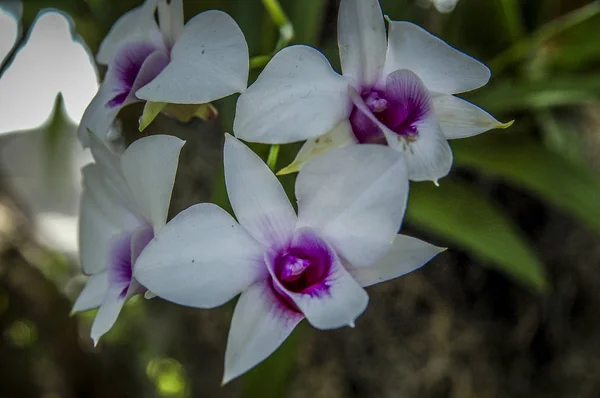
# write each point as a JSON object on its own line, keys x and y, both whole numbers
{"x": 560, "y": 90}
{"x": 468, "y": 219}
{"x": 544, "y": 34}
{"x": 569, "y": 186}
{"x": 307, "y": 17}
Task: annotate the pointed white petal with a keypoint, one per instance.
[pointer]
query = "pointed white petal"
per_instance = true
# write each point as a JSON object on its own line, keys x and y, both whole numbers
{"x": 261, "y": 322}
{"x": 201, "y": 258}
{"x": 340, "y": 136}
{"x": 407, "y": 254}
{"x": 93, "y": 293}
{"x": 336, "y": 302}
{"x": 209, "y": 61}
{"x": 296, "y": 97}
{"x": 362, "y": 42}
{"x": 149, "y": 166}
{"x": 442, "y": 68}
{"x": 98, "y": 116}
{"x": 356, "y": 197}
{"x": 256, "y": 196}
{"x": 459, "y": 118}
{"x": 136, "y": 24}
{"x": 107, "y": 314}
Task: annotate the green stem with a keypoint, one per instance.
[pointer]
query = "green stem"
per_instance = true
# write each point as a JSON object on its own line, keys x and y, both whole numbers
{"x": 546, "y": 32}
{"x": 259, "y": 61}
{"x": 286, "y": 32}
{"x": 272, "y": 158}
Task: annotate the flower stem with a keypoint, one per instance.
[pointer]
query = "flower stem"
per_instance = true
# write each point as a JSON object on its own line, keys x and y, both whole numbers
{"x": 272, "y": 158}
{"x": 259, "y": 61}
{"x": 286, "y": 32}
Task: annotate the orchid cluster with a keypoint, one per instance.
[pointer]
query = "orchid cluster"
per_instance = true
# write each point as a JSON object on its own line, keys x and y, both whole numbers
{"x": 395, "y": 98}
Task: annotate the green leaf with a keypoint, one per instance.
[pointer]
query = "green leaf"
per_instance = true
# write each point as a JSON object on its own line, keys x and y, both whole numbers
{"x": 524, "y": 162}
{"x": 466, "y": 218}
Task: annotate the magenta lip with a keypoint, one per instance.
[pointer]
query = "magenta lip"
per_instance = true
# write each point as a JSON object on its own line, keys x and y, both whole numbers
{"x": 401, "y": 106}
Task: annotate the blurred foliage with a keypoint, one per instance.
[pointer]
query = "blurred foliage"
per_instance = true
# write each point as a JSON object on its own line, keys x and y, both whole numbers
{"x": 544, "y": 58}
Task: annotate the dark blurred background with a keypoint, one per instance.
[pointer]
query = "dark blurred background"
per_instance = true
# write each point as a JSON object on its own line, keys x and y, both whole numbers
{"x": 510, "y": 310}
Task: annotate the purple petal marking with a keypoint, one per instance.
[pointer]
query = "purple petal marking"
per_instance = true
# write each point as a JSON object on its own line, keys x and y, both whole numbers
{"x": 139, "y": 240}
{"x": 124, "y": 252}
{"x": 120, "y": 272}
{"x": 124, "y": 70}
{"x": 403, "y": 104}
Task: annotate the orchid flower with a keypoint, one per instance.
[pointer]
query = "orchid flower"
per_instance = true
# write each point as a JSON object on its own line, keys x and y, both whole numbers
{"x": 200, "y": 62}
{"x": 397, "y": 92}
{"x": 287, "y": 267}
{"x": 124, "y": 204}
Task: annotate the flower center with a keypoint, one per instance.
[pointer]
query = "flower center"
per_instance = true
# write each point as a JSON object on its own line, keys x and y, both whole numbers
{"x": 292, "y": 267}
{"x": 303, "y": 266}
{"x": 400, "y": 106}
{"x": 129, "y": 70}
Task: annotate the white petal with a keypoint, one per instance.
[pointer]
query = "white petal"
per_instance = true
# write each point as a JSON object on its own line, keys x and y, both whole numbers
{"x": 362, "y": 42}
{"x": 340, "y": 136}
{"x": 296, "y": 97}
{"x": 170, "y": 19}
{"x": 149, "y": 166}
{"x": 109, "y": 201}
{"x": 459, "y": 118}
{"x": 201, "y": 258}
{"x": 261, "y": 322}
{"x": 429, "y": 157}
{"x": 342, "y": 301}
{"x": 441, "y": 67}
{"x": 256, "y": 196}
{"x": 136, "y": 24}
{"x": 356, "y": 197}
{"x": 407, "y": 254}
{"x": 98, "y": 116}
{"x": 92, "y": 294}
{"x": 96, "y": 235}
{"x": 107, "y": 314}
{"x": 209, "y": 61}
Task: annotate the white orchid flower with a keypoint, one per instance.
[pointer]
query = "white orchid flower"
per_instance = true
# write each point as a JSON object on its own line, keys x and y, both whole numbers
{"x": 125, "y": 203}
{"x": 397, "y": 91}
{"x": 200, "y": 62}
{"x": 287, "y": 266}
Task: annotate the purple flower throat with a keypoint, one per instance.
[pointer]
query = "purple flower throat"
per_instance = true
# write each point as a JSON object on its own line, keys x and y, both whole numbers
{"x": 303, "y": 267}
{"x": 400, "y": 106}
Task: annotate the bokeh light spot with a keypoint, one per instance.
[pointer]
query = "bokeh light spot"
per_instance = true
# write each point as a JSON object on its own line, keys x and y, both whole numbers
{"x": 168, "y": 376}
